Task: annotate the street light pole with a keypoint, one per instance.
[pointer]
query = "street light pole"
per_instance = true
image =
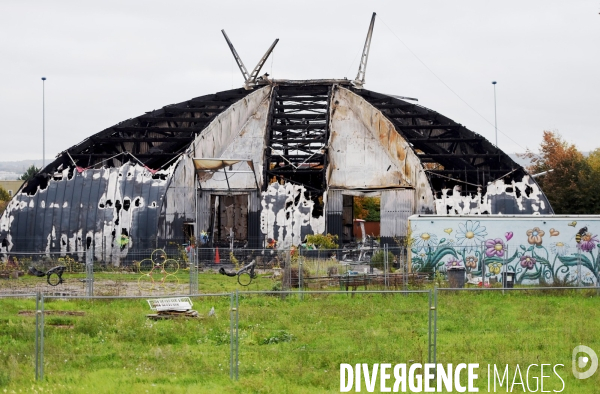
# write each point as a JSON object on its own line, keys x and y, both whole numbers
{"x": 495, "y": 116}
{"x": 43, "y": 122}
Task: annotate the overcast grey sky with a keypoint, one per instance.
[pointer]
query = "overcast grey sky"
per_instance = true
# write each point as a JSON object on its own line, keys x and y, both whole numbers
{"x": 108, "y": 61}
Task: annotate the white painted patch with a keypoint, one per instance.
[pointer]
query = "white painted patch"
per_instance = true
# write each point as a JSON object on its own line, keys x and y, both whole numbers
{"x": 285, "y": 211}
{"x": 454, "y": 203}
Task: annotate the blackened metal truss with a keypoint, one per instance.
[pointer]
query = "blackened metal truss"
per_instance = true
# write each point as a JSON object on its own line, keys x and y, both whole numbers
{"x": 297, "y": 135}
{"x": 155, "y": 138}
{"x": 451, "y": 153}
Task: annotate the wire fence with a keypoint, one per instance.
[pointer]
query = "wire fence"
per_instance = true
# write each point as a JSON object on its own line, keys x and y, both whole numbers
{"x": 514, "y": 333}
{"x": 307, "y": 335}
{"x": 179, "y": 269}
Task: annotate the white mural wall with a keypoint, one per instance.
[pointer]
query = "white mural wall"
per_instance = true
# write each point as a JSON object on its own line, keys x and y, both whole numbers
{"x": 538, "y": 249}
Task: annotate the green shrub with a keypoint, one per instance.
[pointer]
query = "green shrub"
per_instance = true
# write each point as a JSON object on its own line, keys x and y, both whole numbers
{"x": 377, "y": 259}
{"x": 322, "y": 241}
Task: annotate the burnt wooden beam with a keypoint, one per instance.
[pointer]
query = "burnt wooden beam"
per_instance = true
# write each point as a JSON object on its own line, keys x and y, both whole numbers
{"x": 454, "y": 156}
{"x": 142, "y": 139}
{"x": 175, "y": 119}
{"x": 441, "y": 140}
{"x": 301, "y": 106}
{"x": 153, "y": 129}
{"x": 178, "y": 110}
{"x": 310, "y": 116}
{"x": 428, "y": 127}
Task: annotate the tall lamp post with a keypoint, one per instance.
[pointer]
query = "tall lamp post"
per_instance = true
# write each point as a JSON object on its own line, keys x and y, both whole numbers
{"x": 43, "y": 122}
{"x": 495, "y": 116}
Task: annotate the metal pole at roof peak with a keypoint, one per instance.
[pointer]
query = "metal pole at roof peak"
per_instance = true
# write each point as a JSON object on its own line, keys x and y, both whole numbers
{"x": 495, "y": 115}
{"x": 43, "y": 122}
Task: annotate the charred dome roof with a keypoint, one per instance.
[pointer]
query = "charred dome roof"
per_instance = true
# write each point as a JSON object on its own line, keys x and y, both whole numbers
{"x": 451, "y": 154}
{"x": 154, "y": 139}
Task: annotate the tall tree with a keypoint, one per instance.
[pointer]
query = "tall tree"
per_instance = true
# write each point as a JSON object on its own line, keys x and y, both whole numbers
{"x": 4, "y": 198}
{"x": 367, "y": 208}
{"x": 4, "y": 194}
{"x": 30, "y": 173}
{"x": 572, "y": 186}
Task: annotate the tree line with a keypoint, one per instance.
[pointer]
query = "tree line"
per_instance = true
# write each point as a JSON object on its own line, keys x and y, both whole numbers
{"x": 572, "y": 180}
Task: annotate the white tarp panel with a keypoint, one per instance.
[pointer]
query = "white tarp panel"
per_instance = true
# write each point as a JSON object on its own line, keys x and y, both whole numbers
{"x": 237, "y": 132}
{"x": 366, "y": 151}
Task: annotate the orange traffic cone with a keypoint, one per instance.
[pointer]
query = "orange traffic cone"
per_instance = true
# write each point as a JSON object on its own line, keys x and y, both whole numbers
{"x": 217, "y": 257}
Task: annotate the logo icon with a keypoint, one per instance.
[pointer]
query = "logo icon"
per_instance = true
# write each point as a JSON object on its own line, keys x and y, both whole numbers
{"x": 589, "y": 359}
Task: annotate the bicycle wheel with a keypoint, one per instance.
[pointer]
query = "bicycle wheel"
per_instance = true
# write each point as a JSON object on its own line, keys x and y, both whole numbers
{"x": 146, "y": 282}
{"x": 145, "y": 266}
{"x": 54, "y": 280}
{"x": 169, "y": 281}
{"x": 171, "y": 266}
{"x": 158, "y": 256}
{"x": 244, "y": 279}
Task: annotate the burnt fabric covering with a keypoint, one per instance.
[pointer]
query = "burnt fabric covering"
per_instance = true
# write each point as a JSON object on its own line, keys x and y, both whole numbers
{"x": 107, "y": 210}
{"x": 71, "y": 200}
{"x": 303, "y": 146}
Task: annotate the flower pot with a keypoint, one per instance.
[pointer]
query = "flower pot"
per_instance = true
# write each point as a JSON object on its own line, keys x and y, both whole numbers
{"x": 457, "y": 277}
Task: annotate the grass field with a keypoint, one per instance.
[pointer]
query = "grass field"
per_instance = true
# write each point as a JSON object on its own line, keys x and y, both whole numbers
{"x": 289, "y": 345}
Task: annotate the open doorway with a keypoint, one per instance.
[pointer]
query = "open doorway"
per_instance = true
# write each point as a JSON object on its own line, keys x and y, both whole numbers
{"x": 367, "y": 209}
{"x": 229, "y": 220}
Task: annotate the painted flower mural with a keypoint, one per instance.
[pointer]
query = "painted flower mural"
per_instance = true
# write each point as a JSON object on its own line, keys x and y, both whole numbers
{"x": 527, "y": 262}
{"x": 471, "y": 262}
{"x": 453, "y": 262}
{"x": 470, "y": 234}
{"x": 588, "y": 242}
{"x": 570, "y": 255}
{"x": 495, "y": 268}
{"x": 559, "y": 248}
{"x": 494, "y": 247}
{"x": 534, "y": 236}
{"x": 424, "y": 240}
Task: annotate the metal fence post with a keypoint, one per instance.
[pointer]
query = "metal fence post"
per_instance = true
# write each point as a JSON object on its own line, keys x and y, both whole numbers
{"x": 429, "y": 344}
{"x": 231, "y": 340}
{"x": 300, "y": 277}
{"x": 435, "y": 303}
{"x": 89, "y": 272}
{"x": 404, "y": 253}
{"x": 578, "y": 268}
{"x": 194, "y": 271}
{"x": 504, "y": 270}
{"x": 39, "y": 336}
{"x": 237, "y": 335}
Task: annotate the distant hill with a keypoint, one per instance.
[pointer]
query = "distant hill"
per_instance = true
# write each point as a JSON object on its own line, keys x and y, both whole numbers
{"x": 10, "y": 170}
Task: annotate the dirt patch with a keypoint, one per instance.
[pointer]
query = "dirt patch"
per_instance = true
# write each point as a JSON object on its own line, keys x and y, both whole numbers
{"x": 53, "y": 313}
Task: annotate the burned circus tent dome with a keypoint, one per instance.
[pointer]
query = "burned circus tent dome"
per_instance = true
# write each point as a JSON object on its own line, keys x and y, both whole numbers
{"x": 291, "y": 153}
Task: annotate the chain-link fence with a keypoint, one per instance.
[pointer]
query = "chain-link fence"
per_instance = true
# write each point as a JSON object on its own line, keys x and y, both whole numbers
{"x": 496, "y": 263}
{"x": 300, "y": 338}
{"x": 177, "y": 269}
{"x": 513, "y": 333}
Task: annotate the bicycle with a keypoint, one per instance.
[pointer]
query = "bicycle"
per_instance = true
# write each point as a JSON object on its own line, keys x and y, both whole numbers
{"x": 244, "y": 274}
{"x": 53, "y": 275}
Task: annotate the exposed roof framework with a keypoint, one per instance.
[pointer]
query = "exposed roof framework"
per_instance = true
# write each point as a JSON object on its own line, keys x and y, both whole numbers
{"x": 451, "y": 153}
{"x": 154, "y": 139}
{"x": 297, "y": 134}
